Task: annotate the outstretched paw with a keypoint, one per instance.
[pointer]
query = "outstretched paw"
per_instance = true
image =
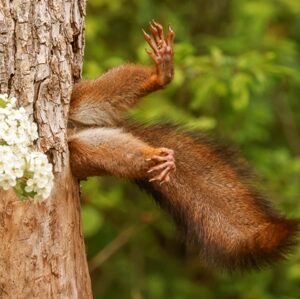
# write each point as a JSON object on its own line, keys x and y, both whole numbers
{"x": 164, "y": 165}
{"x": 162, "y": 51}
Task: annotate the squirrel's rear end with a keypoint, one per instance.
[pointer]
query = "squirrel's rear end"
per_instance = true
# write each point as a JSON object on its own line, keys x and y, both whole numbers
{"x": 211, "y": 195}
{"x": 213, "y": 200}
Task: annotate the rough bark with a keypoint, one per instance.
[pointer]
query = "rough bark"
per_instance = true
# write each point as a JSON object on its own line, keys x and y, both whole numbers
{"x": 42, "y": 252}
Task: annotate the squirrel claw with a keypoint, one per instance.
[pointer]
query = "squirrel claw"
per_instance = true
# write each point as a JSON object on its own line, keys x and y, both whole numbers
{"x": 165, "y": 165}
{"x": 162, "y": 51}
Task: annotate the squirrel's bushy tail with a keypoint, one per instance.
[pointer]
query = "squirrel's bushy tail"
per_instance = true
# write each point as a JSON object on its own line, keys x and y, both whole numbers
{"x": 214, "y": 202}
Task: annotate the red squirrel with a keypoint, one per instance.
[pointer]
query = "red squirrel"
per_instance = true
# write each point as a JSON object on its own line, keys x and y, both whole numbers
{"x": 207, "y": 190}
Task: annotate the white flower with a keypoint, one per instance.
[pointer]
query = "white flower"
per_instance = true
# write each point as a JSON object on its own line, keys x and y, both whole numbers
{"x": 19, "y": 164}
{"x": 7, "y": 180}
{"x": 41, "y": 181}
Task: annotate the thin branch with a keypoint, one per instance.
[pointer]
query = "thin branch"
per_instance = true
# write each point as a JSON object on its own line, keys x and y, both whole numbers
{"x": 112, "y": 247}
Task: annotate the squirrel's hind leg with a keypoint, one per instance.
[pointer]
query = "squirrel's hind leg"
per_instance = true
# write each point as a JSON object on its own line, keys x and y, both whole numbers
{"x": 112, "y": 151}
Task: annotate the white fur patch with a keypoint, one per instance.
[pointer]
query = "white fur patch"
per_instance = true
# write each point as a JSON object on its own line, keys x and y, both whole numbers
{"x": 95, "y": 113}
{"x": 112, "y": 137}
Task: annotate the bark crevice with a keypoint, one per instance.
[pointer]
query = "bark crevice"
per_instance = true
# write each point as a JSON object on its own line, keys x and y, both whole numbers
{"x": 42, "y": 252}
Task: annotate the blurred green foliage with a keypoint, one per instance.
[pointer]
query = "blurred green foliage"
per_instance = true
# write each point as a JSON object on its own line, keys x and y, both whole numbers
{"x": 237, "y": 76}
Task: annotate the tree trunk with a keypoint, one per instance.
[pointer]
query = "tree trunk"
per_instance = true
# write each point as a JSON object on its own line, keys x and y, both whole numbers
{"x": 42, "y": 252}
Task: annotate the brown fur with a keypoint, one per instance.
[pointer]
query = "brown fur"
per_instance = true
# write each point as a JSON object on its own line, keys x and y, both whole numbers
{"x": 211, "y": 195}
{"x": 215, "y": 204}
{"x": 99, "y": 102}
{"x": 108, "y": 151}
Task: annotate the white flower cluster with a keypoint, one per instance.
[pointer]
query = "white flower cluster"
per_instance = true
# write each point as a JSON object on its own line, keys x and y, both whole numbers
{"x": 21, "y": 168}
